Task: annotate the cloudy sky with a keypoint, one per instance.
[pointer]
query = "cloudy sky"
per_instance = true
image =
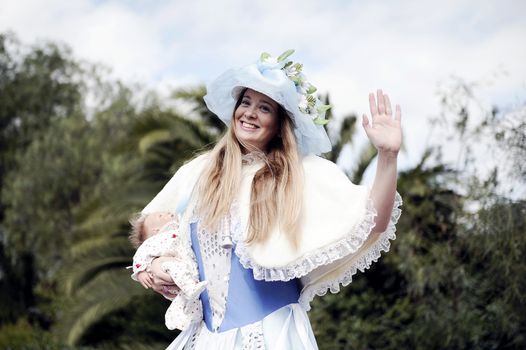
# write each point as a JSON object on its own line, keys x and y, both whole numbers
{"x": 349, "y": 48}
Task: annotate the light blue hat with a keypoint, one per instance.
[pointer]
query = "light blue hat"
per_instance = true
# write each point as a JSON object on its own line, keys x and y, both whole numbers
{"x": 282, "y": 81}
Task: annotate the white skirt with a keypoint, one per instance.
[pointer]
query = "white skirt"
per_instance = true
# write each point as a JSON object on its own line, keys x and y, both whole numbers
{"x": 287, "y": 328}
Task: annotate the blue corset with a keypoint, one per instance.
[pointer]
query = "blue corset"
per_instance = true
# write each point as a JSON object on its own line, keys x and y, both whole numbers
{"x": 248, "y": 300}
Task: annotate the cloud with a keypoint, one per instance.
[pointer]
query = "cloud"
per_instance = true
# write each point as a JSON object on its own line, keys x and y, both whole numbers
{"x": 348, "y": 47}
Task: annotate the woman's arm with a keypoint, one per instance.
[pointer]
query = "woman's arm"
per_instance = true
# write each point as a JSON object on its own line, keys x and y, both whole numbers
{"x": 155, "y": 246}
{"x": 385, "y": 134}
{"x": 384, "y": 189}
{"x": 162, "y": 281}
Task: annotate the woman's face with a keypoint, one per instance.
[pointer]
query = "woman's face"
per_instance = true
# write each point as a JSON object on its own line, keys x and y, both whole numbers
{"x": 256, "y": 120}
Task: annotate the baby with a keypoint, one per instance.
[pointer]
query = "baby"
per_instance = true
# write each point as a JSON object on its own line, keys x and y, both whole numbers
{"x": 155, "y": 235}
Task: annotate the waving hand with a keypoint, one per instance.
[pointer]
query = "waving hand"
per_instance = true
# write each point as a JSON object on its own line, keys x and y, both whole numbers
{"x": 385, "y": 132}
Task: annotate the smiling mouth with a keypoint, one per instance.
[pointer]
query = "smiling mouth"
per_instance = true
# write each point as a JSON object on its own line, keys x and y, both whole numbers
{"x": 248, "y": 125}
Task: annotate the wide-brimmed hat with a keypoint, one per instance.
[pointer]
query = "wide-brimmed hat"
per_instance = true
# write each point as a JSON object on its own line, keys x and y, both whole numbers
{"x": 283, "y": 81}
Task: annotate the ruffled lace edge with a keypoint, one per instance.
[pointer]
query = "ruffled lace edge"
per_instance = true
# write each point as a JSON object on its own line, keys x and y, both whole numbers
{"x": 323, "y": 256}
{"x": 372, "y": 254}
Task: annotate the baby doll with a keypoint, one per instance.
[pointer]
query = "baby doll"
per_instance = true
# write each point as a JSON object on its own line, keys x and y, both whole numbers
{"x": 157, "y": 234}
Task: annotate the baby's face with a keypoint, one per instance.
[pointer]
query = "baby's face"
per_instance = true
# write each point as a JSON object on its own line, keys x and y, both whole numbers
{"x": 155, "y": 221}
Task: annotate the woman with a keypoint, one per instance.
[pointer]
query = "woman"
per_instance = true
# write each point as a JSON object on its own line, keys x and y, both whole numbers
{"x": 271, "y": 223}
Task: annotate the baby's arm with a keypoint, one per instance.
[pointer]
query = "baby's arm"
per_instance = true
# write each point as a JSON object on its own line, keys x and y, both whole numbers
{"x": 145, "y": 279}
{"x": 153, "y": 247}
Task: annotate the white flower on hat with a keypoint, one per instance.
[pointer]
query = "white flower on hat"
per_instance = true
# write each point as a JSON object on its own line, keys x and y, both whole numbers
{"x": 308, "y": 102}
{"x": 303, "y": 104}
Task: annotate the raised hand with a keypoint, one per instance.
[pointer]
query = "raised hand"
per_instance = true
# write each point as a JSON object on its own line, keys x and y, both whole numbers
{"x": 385, "y": 132}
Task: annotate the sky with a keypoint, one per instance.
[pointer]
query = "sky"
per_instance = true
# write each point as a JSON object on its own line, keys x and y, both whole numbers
{"x": 349, "y": 48}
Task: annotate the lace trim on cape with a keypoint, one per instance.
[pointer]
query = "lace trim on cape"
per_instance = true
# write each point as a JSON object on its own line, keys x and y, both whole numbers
{"x": 361, "y": 264}
{"x": 348, "y": 245}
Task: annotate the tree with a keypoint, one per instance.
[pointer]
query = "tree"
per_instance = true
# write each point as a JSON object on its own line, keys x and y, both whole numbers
{"x": 160, "y": 141}
{"x": 39, "y": 86}
{"x": 453, "y": 278}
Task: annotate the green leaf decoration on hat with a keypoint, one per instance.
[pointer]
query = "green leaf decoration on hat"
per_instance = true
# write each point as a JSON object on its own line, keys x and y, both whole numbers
{"x": 298, "y": 67}
{"x": 323, "y": 108}
{"x": 264, "y": 56}
{"x": 285, "y": 55}
{"x": 320, "y": 121}
{"x": 312, "y": 89}
{"x": 295, "y": 79}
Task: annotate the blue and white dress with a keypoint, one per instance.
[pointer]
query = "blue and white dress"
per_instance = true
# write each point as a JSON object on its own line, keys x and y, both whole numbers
{"x": 258, "y": 295}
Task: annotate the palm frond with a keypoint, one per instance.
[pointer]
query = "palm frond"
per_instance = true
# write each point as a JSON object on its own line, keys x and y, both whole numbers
{"x": 366, "y": 157}
{"x": 110, "y": 291}
{"x": 194, "y": 96}
{"x": 345, "y": 136}
{"x": 88, "y": 270}
{"x": 100, "y": 246}
{"x": 153, "y": 137}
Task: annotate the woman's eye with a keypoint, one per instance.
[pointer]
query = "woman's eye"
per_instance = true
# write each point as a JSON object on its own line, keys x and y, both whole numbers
{"x": 265, "y": 109}
{"x": 245, "y": 103}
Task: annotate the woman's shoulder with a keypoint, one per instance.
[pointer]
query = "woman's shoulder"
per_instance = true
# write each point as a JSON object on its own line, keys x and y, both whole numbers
{"x": 194, "y": 164}
{"x": 319, "y": 166}
{"x": 314, "y": 160}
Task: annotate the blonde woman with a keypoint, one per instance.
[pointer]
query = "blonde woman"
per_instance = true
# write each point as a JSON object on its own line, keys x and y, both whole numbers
{"x": 272, "y": 224}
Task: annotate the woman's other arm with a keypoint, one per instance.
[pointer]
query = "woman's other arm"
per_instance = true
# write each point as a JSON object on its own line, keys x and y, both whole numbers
{"x": 385, "y": 134}
{"x": 162, "y": 281}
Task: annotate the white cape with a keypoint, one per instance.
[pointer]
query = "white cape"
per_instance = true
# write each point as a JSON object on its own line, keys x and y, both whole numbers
{"x": 336, "y": 239}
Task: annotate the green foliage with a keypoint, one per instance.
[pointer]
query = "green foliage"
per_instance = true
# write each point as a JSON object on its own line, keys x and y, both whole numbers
{"x": 495, "y": 243}
{"x": 40, "y": 86}
{"x": 16, "y": 286}
{"x": 36, "y": 87}
{"x": 23, "y": 336}
{"x": 72, "y": 176}
{"x": 43, "y": 190}
{"x": 194, "y": 98}
{"x": 160, "y": 141}
{"x": 454, "y": 277}
{"x": 380, "y": 308}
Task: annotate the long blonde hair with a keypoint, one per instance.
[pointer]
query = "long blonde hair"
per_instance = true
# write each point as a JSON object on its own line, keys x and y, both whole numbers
{"x": 277, "y": 188}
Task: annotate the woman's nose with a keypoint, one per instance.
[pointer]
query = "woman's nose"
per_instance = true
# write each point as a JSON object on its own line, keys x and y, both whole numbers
{"x": 250, "y": 113}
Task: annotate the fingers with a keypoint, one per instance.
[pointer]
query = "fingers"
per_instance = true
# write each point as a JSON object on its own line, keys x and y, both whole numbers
{"x": 381, "y": 104}
{"x": 148, "y": 281}
{"x": 159, "y": 275}
{"x": 387, "y": 103}
{"x": 145, "y": 282}
{"x": 365, "y": 122}
{"x": 372, "y": 105}
{"x": 398, "y": 113}
{"x": 380, "y": 100}
{"x": 144, "y": 279}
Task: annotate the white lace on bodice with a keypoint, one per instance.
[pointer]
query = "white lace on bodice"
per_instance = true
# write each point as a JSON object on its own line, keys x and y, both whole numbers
{"x": 216, "y": 258}
{"x": 216, "y": 263}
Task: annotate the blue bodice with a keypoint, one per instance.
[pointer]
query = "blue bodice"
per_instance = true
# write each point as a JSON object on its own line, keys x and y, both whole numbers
{"x": 248, "y": 300}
